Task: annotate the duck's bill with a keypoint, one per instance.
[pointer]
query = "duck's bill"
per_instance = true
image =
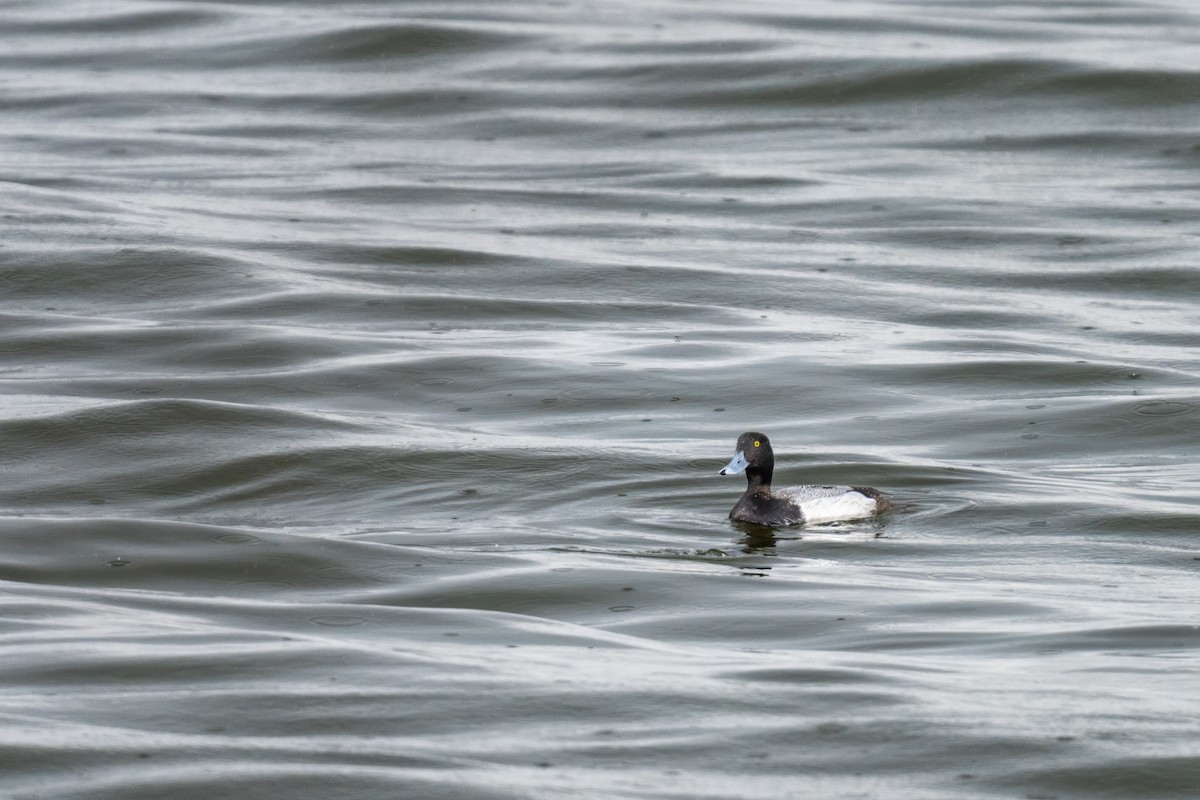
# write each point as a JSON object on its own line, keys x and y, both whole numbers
{"x": 736, "y": 465}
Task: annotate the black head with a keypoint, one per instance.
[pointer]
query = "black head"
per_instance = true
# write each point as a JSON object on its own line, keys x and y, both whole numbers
{"x": 754, "y": 456}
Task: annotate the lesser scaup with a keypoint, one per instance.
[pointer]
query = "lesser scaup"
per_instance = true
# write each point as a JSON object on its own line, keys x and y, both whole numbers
{"x": 795, "y": 504}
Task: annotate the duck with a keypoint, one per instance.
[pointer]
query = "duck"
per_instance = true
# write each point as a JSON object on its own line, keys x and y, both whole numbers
{"x": 793, "y": 505}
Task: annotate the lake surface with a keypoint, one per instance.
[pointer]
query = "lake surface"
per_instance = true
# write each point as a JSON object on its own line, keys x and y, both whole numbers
{"x": 367, "y": 367}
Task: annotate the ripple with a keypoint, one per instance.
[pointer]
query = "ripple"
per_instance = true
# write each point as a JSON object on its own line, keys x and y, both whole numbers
{"x": 340, "y": 621}
{"x": 1162, "y": 408}
{"x": 1071, "y": 427}
{"x": 237, "y": 538}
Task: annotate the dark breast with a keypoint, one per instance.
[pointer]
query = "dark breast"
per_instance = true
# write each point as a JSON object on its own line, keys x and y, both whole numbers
{"x": 766, "y": 511}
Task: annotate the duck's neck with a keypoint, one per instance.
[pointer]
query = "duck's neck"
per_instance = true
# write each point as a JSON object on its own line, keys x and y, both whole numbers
{"x": 758, "y": 479}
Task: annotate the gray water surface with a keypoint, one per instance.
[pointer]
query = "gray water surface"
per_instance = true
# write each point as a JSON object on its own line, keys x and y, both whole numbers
{"x": 367, "y": 367}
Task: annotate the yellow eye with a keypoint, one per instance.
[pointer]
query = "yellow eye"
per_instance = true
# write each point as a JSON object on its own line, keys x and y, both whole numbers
{"x": 756, "y": 444}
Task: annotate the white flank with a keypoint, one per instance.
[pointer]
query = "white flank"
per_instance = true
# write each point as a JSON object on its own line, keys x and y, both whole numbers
{"x": 850, "y": 505}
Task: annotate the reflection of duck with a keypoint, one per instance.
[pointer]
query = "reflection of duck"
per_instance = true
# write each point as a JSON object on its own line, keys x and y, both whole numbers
{"x": 794, "y": 504}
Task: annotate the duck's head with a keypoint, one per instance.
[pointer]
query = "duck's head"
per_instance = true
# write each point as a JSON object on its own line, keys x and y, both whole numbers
{"x": 753, "y": 455}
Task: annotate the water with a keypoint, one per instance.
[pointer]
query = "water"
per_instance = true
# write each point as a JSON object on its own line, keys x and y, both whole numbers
{"x": 367, "y": 367}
